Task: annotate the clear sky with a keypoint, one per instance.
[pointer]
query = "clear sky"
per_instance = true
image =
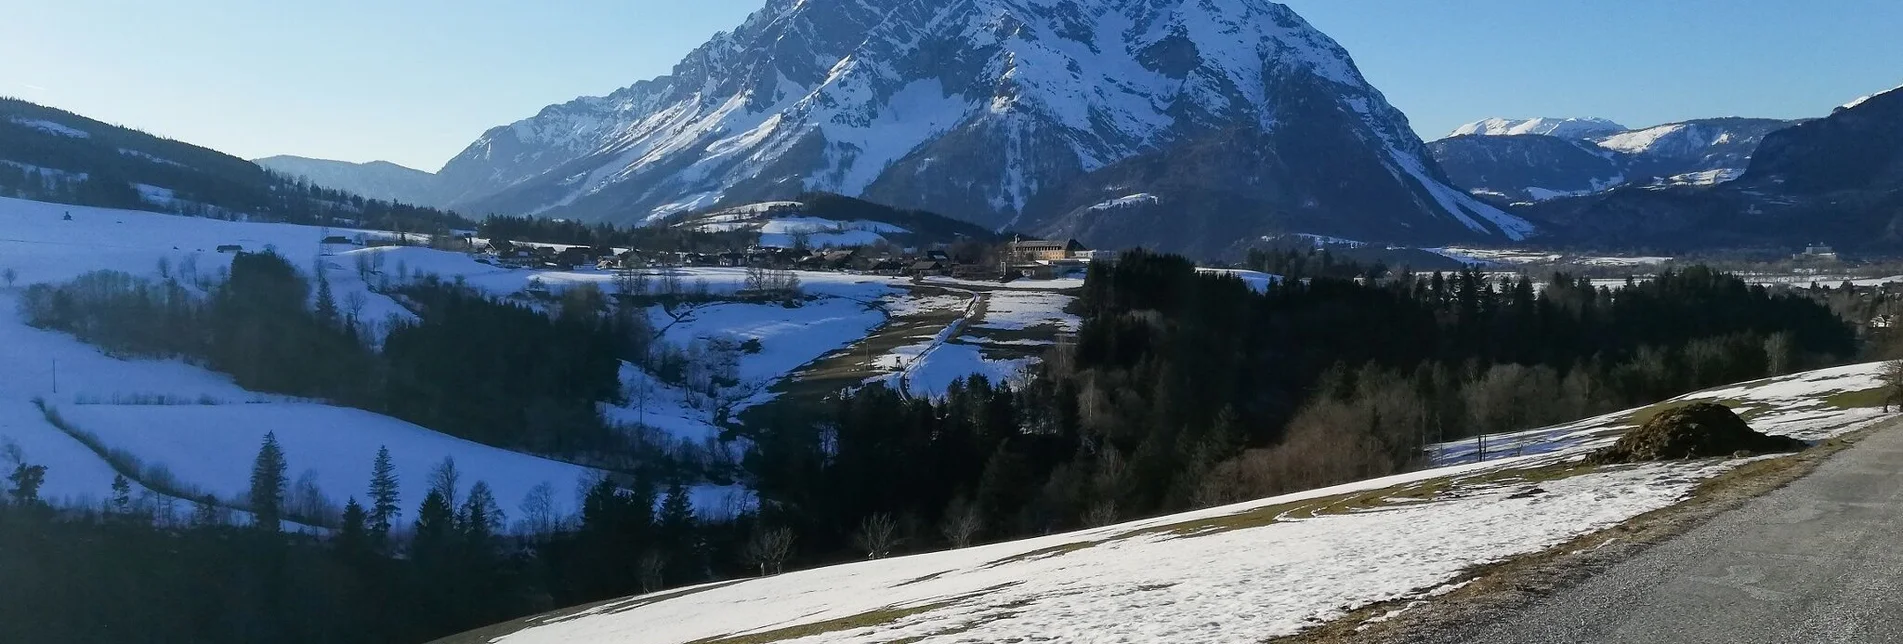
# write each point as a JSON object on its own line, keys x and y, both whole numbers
{"x": 414, "y": 81}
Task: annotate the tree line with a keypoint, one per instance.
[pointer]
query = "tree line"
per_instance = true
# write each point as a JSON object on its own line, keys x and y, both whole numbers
{"x": 1184, "y": 390}
{"x": 106, "y": 166}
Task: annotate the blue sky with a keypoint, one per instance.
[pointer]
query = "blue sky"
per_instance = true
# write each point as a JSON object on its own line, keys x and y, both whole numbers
{"x": 414, "y": 81}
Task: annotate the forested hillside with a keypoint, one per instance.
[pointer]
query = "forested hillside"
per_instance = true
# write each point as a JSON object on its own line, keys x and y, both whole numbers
{"x": 48, "y": 154}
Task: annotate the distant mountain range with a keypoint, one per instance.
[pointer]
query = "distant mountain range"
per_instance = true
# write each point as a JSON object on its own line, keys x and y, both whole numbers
{"x": 1838, "y": 180}
{"x": 1190, "y": 126}
{"x": 1514, "y": 161}
{"x": 376, "y": 179}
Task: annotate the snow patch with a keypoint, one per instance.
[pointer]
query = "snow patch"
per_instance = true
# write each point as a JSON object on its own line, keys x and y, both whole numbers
{"x": 50, "y": 127}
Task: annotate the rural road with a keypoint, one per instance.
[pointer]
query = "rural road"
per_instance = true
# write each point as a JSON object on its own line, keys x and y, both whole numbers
{"x": 1820, "y": 560}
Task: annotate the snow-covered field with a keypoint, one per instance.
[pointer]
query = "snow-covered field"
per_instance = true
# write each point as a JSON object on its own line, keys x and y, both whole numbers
{"x": 1239, "y": 573}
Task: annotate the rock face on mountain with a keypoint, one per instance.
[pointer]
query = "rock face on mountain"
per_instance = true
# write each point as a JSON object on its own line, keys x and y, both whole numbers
{"x": 1837, "y": 180}
{"x": 1520, "y": 161}
{"x": 375, "y": 180}
{"x": 1020, "y": 114}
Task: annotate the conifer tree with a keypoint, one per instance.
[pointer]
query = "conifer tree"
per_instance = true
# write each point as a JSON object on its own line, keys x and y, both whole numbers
{"x": 267, "y": 485}
{"x": 121, "y": 494}
{"x": 353, "y": 538}
{"x": 384, "y": 497}
{"x": 675, "y": 527}
{"x": 480, "y": 518}
{"x": 326, "y": 303}
{"x": 27, "y": 480}
{"x": 435, "y": 522}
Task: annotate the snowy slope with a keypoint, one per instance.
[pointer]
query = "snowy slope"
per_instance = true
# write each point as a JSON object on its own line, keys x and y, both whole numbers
{"x": 977, "y": 109}
{"x": 1240, "y": 573}
{"x": 1566, "y": 128}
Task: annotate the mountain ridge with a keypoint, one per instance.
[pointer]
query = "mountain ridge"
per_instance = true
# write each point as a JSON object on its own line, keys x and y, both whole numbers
{"x": 1507, "y": 160}
{"x": 374, "y": 179}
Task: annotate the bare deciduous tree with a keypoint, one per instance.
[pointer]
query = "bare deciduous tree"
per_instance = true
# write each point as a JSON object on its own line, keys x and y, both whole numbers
{"x": 962, "y": 523}
{"x": 354, "y": 302}
{"x": 538, "y": 511}
{"x": 877, "y": 536}
{"x": 1101, "y": 513}
{"x": 769, "y": 549}
{"x": 653, "y": 564}
{"x": 10, "y": 276}
{"x": 1892, "y": 376}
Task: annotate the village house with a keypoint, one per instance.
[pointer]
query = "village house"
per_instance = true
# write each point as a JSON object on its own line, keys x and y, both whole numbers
{"x": 1043, "y": 259}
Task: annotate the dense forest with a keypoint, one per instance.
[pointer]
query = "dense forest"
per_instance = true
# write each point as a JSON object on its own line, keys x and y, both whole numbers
{"x": 1185, "y": 390}
{"x": 52, "y": 155}
{"x": 1180, "y": 390}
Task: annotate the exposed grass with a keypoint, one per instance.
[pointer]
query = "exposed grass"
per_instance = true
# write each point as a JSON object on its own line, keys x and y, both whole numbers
{"x": 1041, "y": 553}
{"x": 1875, "y": 397}
{"x": 1006, "y": 612}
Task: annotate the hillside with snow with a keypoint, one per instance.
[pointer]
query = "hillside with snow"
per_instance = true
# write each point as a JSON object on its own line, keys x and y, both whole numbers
{"x": 1005, "y": 113}
{"x": 1241, "y": 573}
{"x": 189, "y": 432}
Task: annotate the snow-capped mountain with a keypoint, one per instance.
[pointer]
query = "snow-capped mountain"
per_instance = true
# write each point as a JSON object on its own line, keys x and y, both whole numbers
{"x": 376, "y": 179}
{"x": 1566, "y": 128}
{"x": 1008, "y": 113}
{"x": 1837, "y": 179}
{"x": 1514, "y": 160}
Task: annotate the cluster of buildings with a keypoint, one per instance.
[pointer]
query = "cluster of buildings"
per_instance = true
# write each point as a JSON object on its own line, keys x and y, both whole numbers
{"x": 1018, "y": 258}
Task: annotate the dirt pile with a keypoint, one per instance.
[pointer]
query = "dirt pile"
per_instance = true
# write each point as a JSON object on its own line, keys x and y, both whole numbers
{"x": 1697, "y": 430}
